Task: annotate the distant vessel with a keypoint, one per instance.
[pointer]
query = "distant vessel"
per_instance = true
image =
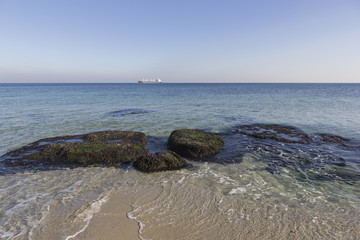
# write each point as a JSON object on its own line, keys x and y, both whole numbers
{"x": 150, "y": 81}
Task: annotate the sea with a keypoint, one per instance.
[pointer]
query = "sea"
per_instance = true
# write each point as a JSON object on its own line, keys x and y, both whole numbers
{"x": 263, "y": 188}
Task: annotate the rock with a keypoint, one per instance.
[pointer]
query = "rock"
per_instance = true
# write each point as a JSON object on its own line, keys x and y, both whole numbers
{"x": 90, "y": 153}
{"x": 116, "y": 136}
{"x": 128, "y": 111}
{"x": 105, "y": 147}
{"x": 279, "y": 133}
{"x": 194, "y": 143}
{"x": 160, "y": 161}
{"x": 329, "y": 138}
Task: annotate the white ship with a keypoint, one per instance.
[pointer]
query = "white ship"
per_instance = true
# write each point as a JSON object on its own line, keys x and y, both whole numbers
{"x": 150, "y": 81}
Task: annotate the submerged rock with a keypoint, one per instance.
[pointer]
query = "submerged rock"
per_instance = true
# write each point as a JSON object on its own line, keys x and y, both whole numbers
{"x": 332, "y": 138}
{"x": 317, "y": 160}
{"x": 105, "y": 147}
{"x": 160, "y": 161}
{"x": 279, "y": 133}
{"x": 194, "y": 143}
{"x": 128, "y": 111}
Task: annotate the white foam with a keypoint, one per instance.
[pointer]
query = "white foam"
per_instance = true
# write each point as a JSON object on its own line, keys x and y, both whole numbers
{"x": 230, "y": 211}
{"x": 237, "y": 190}
{"x": 223, "y": 179}
{"x": 220, "y": 201}
{"x": 141, "y": 225}
{"x": 11, "y": 233}
{"x": 35, "y": 224}
{"x": 22, "y": 203}
{"x": 70, "y": 190}
{"x": 88, "y": 213}
{"x": 313, "y": 200}
{"x": 11, "y": 186}
{"x": 257, "y": 196}
{"x": 181, "y": 180}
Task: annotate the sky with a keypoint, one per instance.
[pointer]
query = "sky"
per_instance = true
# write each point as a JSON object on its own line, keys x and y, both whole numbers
{"x": 179, "y": 41}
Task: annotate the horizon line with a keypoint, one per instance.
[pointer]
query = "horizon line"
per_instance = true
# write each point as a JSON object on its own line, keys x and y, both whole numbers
{"x": 181, "y": 83}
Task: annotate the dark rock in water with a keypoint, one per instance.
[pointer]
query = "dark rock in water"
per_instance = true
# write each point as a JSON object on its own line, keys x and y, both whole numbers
{"x": 160, "y": 161}
{"x": 332, "y": 138}
{"x": 106, "y": 147}
{"x": 279, "y": 133}
{"x": 128, "y": 111}
{"x": 317, "y": 160}
{"x": 340, "y": 173}
{"x": 194, "y": 143}
{"x": 113, "y": 136}
{"x": 90, "y": 153}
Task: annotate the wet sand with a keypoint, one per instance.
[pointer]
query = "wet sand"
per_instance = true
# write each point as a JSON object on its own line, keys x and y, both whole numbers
{"x": 185, "y": 211}
{"x": 109, "y": 221}
{"x": 178, "y": 209}
{"x": 112, "y": 222}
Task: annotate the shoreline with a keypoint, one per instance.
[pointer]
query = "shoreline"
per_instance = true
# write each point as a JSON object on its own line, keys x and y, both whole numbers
{"x": 178, "y": 209}
{"x": 111, "y": 222}
{"x": 108, "y": 220}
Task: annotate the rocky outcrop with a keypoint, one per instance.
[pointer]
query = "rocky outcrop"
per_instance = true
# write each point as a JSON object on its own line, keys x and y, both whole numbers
{"x": 329, "y": 138}
{"x": 279, "y": 133}
{"x": 104, "y": 148}
{"x": 160, "y": 161}
{"x": 194, "y": 143}
{"x": 115, "y": 136}
{"x": 316, "y": 160}
{"x": 90, "y": 153}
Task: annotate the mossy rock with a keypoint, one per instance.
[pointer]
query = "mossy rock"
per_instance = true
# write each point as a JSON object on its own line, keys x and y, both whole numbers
{"x": 115, "y": 136}
{"x": 90, "y": 153}
{"x": 100, "y": 148}
{"x": 194, "y": 143}
{"x": 160, "y": 161}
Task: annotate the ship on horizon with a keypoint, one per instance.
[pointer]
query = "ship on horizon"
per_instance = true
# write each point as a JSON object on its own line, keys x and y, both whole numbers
{"x": 145, "y": 81}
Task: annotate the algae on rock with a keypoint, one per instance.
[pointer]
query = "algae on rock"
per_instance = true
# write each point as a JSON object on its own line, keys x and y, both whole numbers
{"x": 160, "y": 161}
{"x": 194, "y": 143}
{"x": 90, "y": 153}
{"x": 102, "y": 148}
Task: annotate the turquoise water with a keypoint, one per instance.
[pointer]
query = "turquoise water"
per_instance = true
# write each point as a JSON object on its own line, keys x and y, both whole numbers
{"x": 33, "y": 111}
{"x": 30, "y": 112}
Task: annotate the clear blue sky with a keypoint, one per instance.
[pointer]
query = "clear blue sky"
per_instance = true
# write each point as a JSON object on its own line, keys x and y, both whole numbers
{"x": 180, "y": 41}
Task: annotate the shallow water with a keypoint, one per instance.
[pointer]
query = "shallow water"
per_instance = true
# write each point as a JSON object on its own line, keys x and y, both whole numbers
{"x": 256, "y": 178}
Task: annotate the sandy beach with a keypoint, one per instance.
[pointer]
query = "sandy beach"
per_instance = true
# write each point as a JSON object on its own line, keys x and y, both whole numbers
{"x": 178, "y": 210}
{"x": 107, "y": 221}
{"x": 112, "y": 222}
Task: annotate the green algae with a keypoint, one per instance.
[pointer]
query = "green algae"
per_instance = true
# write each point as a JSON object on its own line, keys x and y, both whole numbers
{"x": 90, "y": 153}
{"x": 105, "y": 147}
{"x": 160, "y": 161}
{"x": 194, "y": 143}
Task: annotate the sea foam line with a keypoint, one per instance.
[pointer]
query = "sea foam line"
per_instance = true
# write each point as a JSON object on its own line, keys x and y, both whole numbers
{"x": 141, "y": 225}
{"x": 87, "y": 215}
